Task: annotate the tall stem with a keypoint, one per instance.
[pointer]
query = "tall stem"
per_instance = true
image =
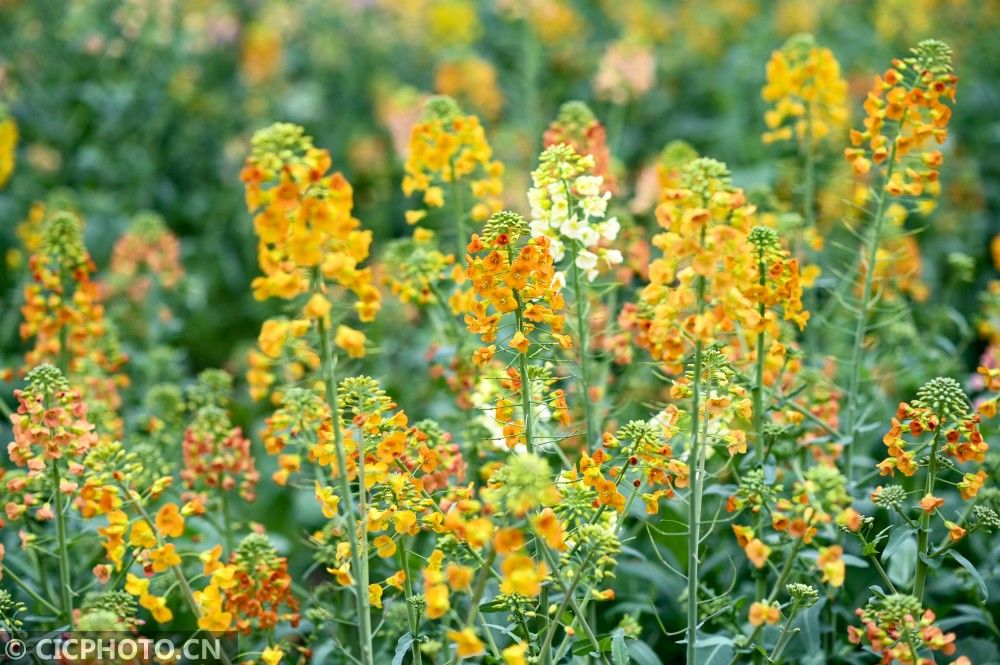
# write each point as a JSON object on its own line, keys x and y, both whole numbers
{"x": 695, "y": 464}
{"x": 924, "y": 535}
{"x": 522, "y": 363}
{"x": 786, "y": 634}
{"x": 65, "y": 588}
{"x": 584, "y": 340}
{"x": 874, "y": 238}
{"x": 760, "y": 580}
{"x": 360, "y": 589}
{"x": 694, "y": 510}
{"x": 411, "y": 610}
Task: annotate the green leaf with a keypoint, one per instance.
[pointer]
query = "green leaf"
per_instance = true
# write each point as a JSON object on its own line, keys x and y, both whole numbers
{"x": 900, "y": 568}
{"x": 965, "y": 563}
{"x": 402, "y": 646}
{"x": 896, "y": 538}
{"x": 582, "y": 646}
{"x": 619, "y": 652}
{"x": 642, "y": 654}
{"x": 713, "y": 650}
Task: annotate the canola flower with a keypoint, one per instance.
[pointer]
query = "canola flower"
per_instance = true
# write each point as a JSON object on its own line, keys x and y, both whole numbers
{"x": 449, "y": 161}
{"x": 907, "y": 109}
{"x": 495, "y": 542}
{"x": 807, "y": 94}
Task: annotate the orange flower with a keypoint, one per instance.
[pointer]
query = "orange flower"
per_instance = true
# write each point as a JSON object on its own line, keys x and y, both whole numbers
{"x": 764, "y": 612}
{"x": 522, "y": 575}
{"x": 467, "y": 644}
{"x": 931, "y": 503}
{"x": 831, "y": 564}
{"x": 757, "y": 552}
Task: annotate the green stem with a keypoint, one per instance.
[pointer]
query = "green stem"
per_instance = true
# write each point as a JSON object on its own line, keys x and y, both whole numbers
{"x": 546, "y": 651}
{"x": 854, "y": 383}
{"x": 411, "y": 610}
{"x": 522, "y": 363}
{"x": 347, "y": 496}
{"x": 696, "y": 466}
{"x": 694, "y": 512}
{"x": 923, "y": 536}
{"x": 567, "y": 589}
{"x": 10, "y": 574}
{"x": 786, "y": 634}
{"x": 584, "y": 341}
{"x": 65, "y": 588}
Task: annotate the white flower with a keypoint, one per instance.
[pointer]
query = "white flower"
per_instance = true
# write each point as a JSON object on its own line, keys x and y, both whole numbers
{"x": 558, "y": 280}
{"x": 538, "y": 227}
{"x": 557, "y": 250}
{"x": 609, "y": 228}
{"x": 586, "y": 260}
{"x": 612, "y": 257}
{"x": 588, "y": 185}
{"x": 574, "y": 228}
{"x": 594, "y": 206}
{"x": 589, "y": 236}
{"x": 538, "y": 200}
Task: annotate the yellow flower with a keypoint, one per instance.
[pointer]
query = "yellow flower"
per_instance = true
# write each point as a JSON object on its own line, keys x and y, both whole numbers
{"x": 385, "y": 546}
{"x": 317, "y": 307}
{"x": 375, "y": 595}
{"x": 157, "y": 606}
{"x": 169, "y": 521}
{"x": 406, "y": 523}
{"x": 350, "y": 340}
{"x": 328, "y": 501}
{"x": 519, "y": 342}
{"x": 215, "y": 621}
{"x": 142, "y": 535}
{"x": 468, "y": 645}
{"x": 515, "y": 654}
{"x": 137, "y": 586}
{"x": 522, "y": 575}
{"x": 757, "y": 552}
{"x": 831, "y": 564}
{"x": 764, "y": 612}
{"x": 272, "y": 655}
{"x": 165, "y": 557}
{"x": 437, "y": 601}
{"x": 459, "y": 577}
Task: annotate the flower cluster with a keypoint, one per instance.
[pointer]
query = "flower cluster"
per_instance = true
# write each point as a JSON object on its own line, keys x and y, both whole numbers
{"x": 569, "y": 206}
{"x": 906, "y": 109}
{"x": 705, "y": 258}
{"x": 51, "y": 432}
{"x": 304, "y": 223}
{"x": 63, "y": 313}
{"x": 216, "y": 455}
{"x": 941, "y": 408}
{"x": 577, "y": 127}
{"x": 897, "y": 627}
{"x": 253, "y": 590}
{"x": 449, "y": 150}
{"x": 806, "y": 91}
